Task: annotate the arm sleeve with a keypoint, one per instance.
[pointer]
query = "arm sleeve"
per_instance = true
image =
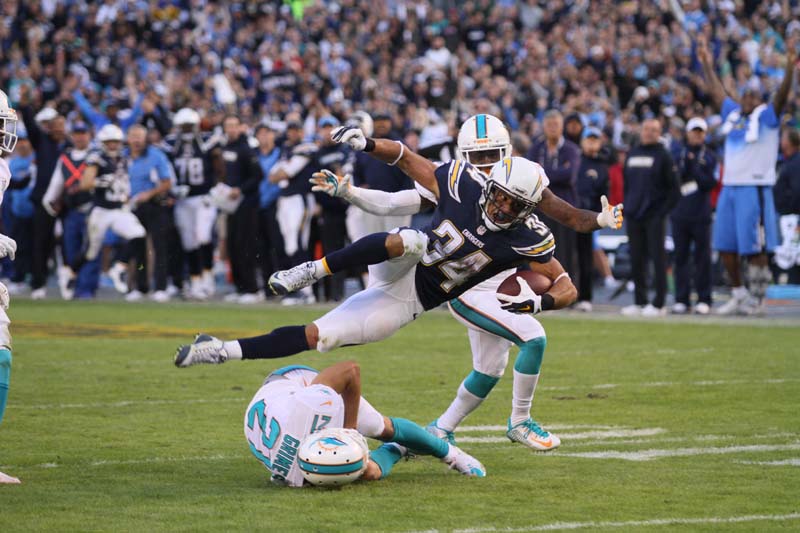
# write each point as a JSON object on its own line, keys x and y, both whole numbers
{"x": 54, "y": 190}
{"x": 34, "y": 132}
{"x": 163, "y": 166}
{"x": 728, "y": 105}
{"x": 295, "y": 165}
{"x": 706, "y": 180}
{"x": 671, "y": 185}
{"x": 405, "y": 202}
{"x": 566, "y": 174}
{"x": 253, "y": 172}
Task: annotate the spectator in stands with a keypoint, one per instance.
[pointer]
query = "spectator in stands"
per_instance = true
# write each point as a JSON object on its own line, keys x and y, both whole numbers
{"x": 18, "y": 201}
{"x": 64, "y": 199}
{"x": 151, "y": 177}
{"x": 651, "y": 191}
{"x": 746, "y": 222}
{"x": 561, "y": 159}
{"x": 695, "y": 165}
{"x": 243, "y": 174}
{"x": 787, "y": 202}
{"x": 592, "y": 184}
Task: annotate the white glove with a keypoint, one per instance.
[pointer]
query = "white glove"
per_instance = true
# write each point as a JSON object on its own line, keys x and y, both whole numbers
{"x": 5, "y": 299}
{"x": 180, "y": 191}
{"x": 331, "y": 184}
{"x": 610, "y": 216}
{"x": 351, "y": 136}
{"x": 8, "y": 247}
{"x": 526, "y": 301}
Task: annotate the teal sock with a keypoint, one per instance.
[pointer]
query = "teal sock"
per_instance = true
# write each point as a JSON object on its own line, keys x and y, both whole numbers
{"x": 531, "y": 353}
{"x": 480, "y": 384}
{"x": 5, "y": 376}
{"x": 386, "y": 457}
{"x": 412, "y": 436}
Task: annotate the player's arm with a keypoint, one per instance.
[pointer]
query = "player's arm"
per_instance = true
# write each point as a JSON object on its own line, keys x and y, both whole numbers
{"x": 561, "y": 294}
{"x": 87, "y": 178}
{"x": 382, "y": 203}
{"x": 345, "y": 379}
{"x": 581, "y": 220}
{"x": 714, "y": 85}
{"x": 286, "y": 170}
{"x": 782, "y": 96}
{"x": 391, "y": 152}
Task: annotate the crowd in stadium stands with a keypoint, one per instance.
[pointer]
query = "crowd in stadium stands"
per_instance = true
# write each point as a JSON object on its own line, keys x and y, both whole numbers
{"x": 269, "y": 80}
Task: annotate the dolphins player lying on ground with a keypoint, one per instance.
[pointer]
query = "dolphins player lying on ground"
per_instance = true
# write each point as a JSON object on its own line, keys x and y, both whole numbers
{"x": 483, "y": 141}
{"x": 8, "y": 248}
{"x": 297, "y": 401}
{"x": 481, "y": 227}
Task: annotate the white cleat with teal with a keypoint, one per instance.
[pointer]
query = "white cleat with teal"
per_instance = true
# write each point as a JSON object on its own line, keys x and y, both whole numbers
{"x": 458, "y": 459}
{"x": 284, "y": 282}
{"x": 205, "y": 349}
{"x": 530, "y": 434}
{"x": 447, "y": 436}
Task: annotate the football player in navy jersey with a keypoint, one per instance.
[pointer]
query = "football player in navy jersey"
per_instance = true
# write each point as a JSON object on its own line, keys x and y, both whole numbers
{"x": 106, "y": 174}
{"x": 194, "y": 155}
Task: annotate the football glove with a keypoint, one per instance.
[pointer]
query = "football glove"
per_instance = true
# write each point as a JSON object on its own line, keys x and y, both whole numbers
{"x": 610, "y": 216}
{"x": 526, "y": 301}
{"x": 331, "y": 184}
{"x": 8, "y": 247}
{"x": 5, "y": 299}
{"x": 351, "y": 136}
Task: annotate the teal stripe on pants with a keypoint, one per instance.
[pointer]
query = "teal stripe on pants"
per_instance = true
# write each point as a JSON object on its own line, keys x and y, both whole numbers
{"x": 483, "y": 321}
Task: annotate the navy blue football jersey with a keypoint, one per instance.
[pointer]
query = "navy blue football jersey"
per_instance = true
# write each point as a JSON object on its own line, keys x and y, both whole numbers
{"x": 462, "y": 252}
{"x": 191, "y": 156}
{"x": 112, "y": 185}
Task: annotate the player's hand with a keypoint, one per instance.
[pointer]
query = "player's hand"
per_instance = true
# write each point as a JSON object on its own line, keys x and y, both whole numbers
{"x": 703, "y": 53}
{"x": 610, "y": 216}
{"x": 5, "y": 299}
{"x": 8, "y": 247}
{"x": 526, "y": 301}
{"x": 351, "y": 136}
{"x": 331, "y": 184}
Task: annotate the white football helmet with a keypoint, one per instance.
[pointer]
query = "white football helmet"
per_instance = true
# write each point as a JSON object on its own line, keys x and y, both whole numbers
{"x": 110, "y": 132}
{"x": 8, "y": 125}
{"x": 333, "y": 456}
{"x": 483, "y": 140}
{"x": 363, "y": 121}
{"x": 511, "y": 192}
{"x": 186, "y": 117}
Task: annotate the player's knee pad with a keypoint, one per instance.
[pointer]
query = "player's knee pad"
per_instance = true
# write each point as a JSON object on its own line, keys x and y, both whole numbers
{"x": 480, "y": 384}
{"x": 531, "y": 353}
{"x": 5, "y": 358}
{"x": 370, "y": 422}
{"x": 414, "y": 242}
{"x": 5, "y": 337}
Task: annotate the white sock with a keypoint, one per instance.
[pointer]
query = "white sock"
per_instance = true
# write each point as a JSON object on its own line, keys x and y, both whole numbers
{"x": 524, "y": 387}
{"x": 464, "y": 403}
{"x": 740, "y": 293}
{"x": 319, "y": 269}
{"x": 233, "y": 349}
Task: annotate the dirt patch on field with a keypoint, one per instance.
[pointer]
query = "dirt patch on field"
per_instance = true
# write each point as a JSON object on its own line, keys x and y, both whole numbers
{"x": 109, "y": 331}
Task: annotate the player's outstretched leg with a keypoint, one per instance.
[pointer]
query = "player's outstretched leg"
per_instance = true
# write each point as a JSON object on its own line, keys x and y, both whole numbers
{"x": 415, "y": 438}
{"x": 521, "y": 427}
{"x": 369, "y": 250}
{"x": 471, "y": 393}
{"x": 280, "y": 342}
{"x": 5, "y": 376}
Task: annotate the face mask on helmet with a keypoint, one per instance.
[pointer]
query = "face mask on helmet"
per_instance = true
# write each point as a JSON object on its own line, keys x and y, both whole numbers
{"x": 503, "y": 208}
{"x": 483, "y": 159}
{"x": 112, "y": 148}
{"x": 511, "y": 193}
{"x": 8, "y": 125}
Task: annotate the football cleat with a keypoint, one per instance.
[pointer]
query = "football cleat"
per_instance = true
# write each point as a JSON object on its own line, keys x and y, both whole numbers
{"x": 66, "y": 282}
{"x": 434, "y": 429}
{"x": 458, "y": 459}
{"x": 284, "y": 282}
{"x": 204, "y": 350}
{"x": 531, "y": 434}
{"x": 119, "y": 276}
{"x": 6, "y": 479}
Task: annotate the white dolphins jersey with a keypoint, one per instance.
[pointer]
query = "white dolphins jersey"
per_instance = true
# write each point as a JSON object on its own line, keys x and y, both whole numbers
{"x": 5, "y": 177}
{"x": 283, "y": 412}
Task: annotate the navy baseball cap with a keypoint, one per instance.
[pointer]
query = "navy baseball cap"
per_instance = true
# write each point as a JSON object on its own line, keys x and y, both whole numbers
{"x": 79, "y": 126}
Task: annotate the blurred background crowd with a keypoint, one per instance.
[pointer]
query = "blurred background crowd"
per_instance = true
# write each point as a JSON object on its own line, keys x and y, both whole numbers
{"x": 286, "y": 73}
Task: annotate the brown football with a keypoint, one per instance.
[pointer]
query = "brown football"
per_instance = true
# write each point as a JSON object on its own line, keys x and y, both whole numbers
{"x": 538, "y": 282}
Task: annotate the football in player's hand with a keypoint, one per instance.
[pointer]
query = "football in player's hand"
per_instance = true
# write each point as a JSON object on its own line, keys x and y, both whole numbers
{"x": 538, "y": 282}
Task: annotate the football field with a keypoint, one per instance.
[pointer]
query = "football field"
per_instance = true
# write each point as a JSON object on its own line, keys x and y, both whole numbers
{"x": 678, "y": 425}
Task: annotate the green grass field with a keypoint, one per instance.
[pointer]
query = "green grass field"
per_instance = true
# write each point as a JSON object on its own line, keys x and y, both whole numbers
{"x": 675, "y": 426}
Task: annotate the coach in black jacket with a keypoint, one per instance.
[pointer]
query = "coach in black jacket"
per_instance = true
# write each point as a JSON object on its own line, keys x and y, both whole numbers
{"x": 651, "y": 191}
{"x": 695, "y": 164}
{"x": 243, "y": 174}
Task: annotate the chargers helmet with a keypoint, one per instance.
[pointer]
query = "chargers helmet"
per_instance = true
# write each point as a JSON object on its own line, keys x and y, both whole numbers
{"x": 110, "y": 132}
{"x": 363, "y": 121}
{"x": 186, "y": 117}
{"x": 483, "y": 140}
{"x": 333, "y": 456}
{"x": 511, "y": 192}
{"x": 8, "y": 125}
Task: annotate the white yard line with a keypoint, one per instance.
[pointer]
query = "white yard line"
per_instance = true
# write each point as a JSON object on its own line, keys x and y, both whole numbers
{"x": 794, "y": 461}
{"x": 647, "y": 455}
{"x": 554, "y": 427}
{"x": 126, "y": 403}
{"x": 146, "y": 460}
{"x": 611, "y": 434}
{"x": 566, "y": 526}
